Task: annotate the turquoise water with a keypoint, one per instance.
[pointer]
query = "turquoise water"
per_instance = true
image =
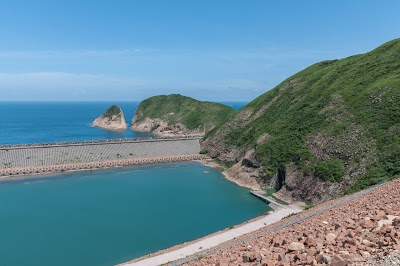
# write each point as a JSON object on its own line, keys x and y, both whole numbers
{"x": 34, "y": 122}
{"x": 111, "y": 216}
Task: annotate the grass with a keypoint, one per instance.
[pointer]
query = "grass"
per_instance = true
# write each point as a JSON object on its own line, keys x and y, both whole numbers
{"x": 191, "y": 113}
{"x": 112, "y": 110}
{"x": 289, "y": 215}
{"x": 269, "y": 191}
{"x": 330, "y": 170}
{"x": 349, "y": 109}
{"x": 309, "y": 205}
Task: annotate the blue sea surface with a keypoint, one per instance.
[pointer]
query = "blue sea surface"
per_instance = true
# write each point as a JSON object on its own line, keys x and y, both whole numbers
{"x": 107, "y": 217}
{"x": 36, "y": 122}
{"x": 235, "y": 105}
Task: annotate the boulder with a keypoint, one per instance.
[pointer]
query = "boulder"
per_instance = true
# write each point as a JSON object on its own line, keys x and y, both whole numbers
{"x": 339, "y": 261}
{"x": 296, "y": 246}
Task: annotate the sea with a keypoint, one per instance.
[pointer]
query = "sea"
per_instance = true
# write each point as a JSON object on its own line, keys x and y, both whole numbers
{"x": 106, "y": 217}
{"x": 37, "y": 122}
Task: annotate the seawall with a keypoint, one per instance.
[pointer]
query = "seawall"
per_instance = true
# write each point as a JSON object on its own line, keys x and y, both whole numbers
{"x": 76, "y": 156}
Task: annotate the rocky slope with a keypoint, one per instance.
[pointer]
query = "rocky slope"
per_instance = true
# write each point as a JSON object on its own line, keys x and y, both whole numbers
{"x": 331, "y": 128}
{"x": 365, "y": 231}
{"x": 174, "y": 114}
{"x": 112, "y": 119}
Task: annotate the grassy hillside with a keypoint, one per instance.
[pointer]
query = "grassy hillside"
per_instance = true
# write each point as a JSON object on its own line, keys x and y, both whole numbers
{"x": 336, "y": 120}
{"x": 112, "y": 110}
{"x": 191, "y": 113}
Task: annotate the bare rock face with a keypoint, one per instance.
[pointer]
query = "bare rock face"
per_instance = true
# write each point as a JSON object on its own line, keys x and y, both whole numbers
{"x": 161, "y": 127}
{"x": 246, "y": 172}
{"x": 112, "y": 119}
{"x": 309, "y": 188}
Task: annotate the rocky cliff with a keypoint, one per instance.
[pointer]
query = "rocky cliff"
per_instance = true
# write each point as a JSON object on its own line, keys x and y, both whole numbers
{"x": 329, "y": 129}
{"x": 171, "y": 115}
{"x": 112, "y": 119}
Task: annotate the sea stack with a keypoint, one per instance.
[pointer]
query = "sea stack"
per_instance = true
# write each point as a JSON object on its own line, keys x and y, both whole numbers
{"x": 112, "y": 119}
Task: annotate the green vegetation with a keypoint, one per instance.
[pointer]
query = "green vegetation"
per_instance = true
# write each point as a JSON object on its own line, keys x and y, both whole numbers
{"x": 224, "y": 164}
{"x": 191, "y": 113}
{"x": 330, "y": 170}
{"x": 309, "y": 205}
{"x": 335, "y": 118}
{"x": 203, "y": 151}
{"x": 289, "y": 215}
{"x": 269, "y": 191}
{"x": 113, "y": 110}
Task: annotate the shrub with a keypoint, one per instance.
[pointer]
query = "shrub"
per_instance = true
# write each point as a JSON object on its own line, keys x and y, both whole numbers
{"x": 330, "y": 170}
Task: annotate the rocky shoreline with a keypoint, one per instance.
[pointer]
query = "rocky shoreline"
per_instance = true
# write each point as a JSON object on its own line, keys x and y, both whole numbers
{"x": 251, "y": 184}
{"x": 161, "y": 128}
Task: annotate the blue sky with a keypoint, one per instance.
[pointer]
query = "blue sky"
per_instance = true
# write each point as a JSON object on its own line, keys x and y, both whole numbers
{"x": 211, "y": 50}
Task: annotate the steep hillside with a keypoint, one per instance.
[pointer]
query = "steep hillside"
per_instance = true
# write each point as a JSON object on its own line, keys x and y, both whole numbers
{"x": 331, "y": 128}
{"x": 176, "y": 115}
{"x": 112, "y": 119}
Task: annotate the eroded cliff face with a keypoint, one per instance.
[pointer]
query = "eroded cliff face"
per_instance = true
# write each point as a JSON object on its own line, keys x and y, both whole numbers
{"x": 160, "y": 127}
{"x": 244, "y": 168}
{"x": 112, "y": 119}
{"x": 292, "y": 185}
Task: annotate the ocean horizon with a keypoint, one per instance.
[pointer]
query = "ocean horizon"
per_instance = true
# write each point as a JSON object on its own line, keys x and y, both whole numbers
{"x": 38, "y": 122}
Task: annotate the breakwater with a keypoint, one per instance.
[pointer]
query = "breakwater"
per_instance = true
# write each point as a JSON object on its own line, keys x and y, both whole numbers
{"x": 95, "y": 142}
{"x": 97, "y": 165}
{"x": 75, "y": 156}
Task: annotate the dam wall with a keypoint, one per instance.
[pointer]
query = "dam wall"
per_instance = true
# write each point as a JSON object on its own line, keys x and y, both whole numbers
{"x": 20, "y": 171}
{"x": 20, "y": 156}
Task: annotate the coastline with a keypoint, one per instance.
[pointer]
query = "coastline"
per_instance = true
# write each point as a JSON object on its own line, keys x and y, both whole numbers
{"x": 211, "y": 163}
{"x": 164, "y": 134}
{"x": 190, "y": 242}
{"x": 109, "y": 127}
{"x": 8, "y": 173}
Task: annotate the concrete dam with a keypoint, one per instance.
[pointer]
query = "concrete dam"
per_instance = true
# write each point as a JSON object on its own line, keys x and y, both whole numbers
{"x": 55, "y": 157}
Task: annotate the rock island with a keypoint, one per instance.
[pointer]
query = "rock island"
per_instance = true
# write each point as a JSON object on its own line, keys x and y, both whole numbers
{"x": 112, "y": 119}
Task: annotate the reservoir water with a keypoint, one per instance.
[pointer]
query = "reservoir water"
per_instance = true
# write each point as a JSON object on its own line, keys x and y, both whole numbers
{"x": 111, "y": 216}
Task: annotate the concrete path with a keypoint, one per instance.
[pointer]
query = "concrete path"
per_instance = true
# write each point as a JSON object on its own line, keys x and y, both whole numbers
{"x": 215, "y": 240}
{"x": 272, "y": 202}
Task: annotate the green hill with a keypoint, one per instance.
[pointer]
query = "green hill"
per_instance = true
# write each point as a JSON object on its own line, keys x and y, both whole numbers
{"x": 113, "y": 110}
{"x": 334, "y": 125}
{"x": 179, "y": 114}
